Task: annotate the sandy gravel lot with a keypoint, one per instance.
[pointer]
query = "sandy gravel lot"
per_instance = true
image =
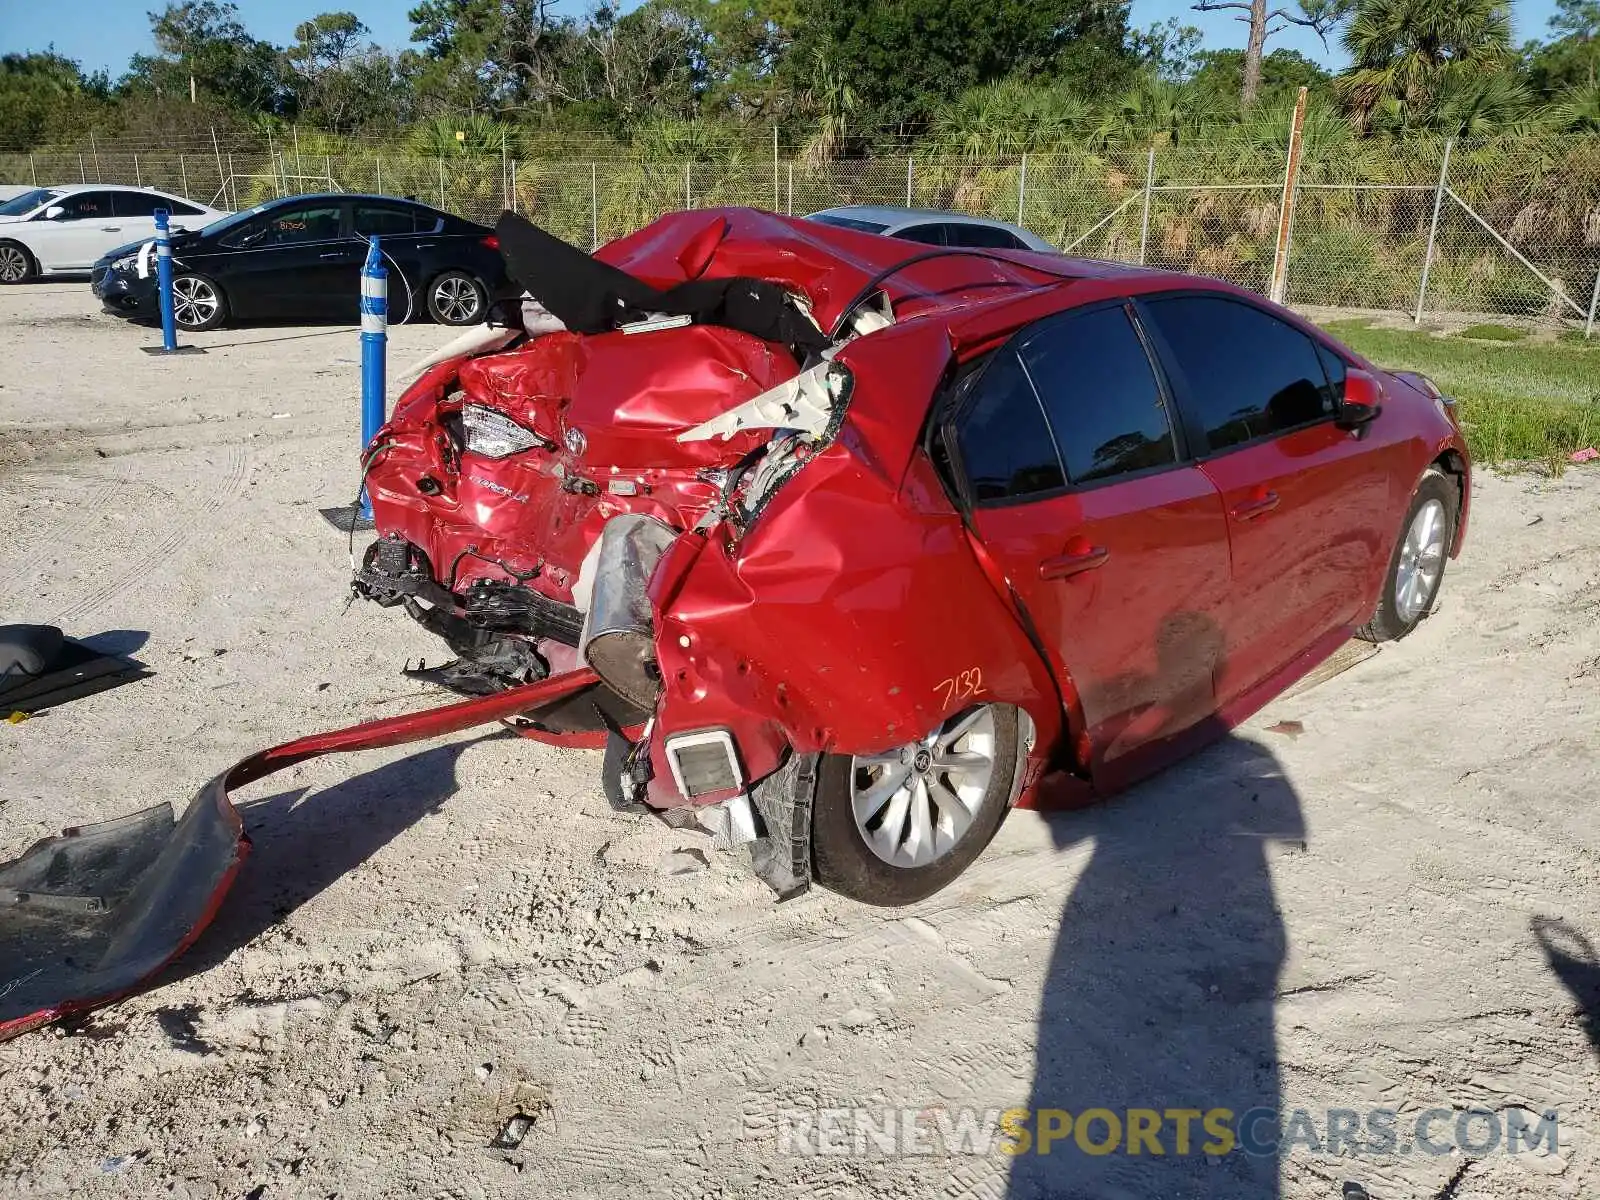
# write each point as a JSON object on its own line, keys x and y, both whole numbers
{"x": 1386, "y": 909}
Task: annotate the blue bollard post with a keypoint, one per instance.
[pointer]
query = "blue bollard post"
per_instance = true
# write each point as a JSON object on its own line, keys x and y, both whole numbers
{"x": 374, "y": 345}
{"x": 169, "y": 330}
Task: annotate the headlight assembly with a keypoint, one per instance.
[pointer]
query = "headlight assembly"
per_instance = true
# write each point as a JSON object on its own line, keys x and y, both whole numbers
{"x": 495, "y": 435}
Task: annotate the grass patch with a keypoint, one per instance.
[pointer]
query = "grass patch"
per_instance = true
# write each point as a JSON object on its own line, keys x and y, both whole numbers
{"x": 1493, "y": 333}
{"x": 1518, "y": 402}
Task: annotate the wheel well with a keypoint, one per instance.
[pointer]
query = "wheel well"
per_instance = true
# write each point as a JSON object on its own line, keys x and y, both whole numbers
{"x": 1455, "y": 468}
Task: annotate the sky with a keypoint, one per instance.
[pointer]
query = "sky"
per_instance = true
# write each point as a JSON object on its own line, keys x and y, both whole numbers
{"x": 103, "y": 34}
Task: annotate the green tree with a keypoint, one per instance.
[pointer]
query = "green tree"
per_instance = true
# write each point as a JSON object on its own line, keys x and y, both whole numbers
{"x": 46, "y": 96}
{"x": 1403, "y": 50}
{"x": 904, "y": 60}
{"x": 340, "y": 80}
{"x": 1283, "y": 72}
{"x": 1319, "y": 16}
{"x": 1572, "y": 59}
{"x": 203, "y": 47}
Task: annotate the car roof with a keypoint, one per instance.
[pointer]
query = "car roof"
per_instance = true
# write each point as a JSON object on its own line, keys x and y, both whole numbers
{"x": 893, "y": 217}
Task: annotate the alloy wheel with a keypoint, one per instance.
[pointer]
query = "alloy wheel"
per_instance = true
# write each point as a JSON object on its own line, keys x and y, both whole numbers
{"x": 456, "y": 298}
{"x": 1421, "y": 560}
{"x": 13, "y": 264}
{"x": 913, "y": 805}
{"x": 194, "y": 301}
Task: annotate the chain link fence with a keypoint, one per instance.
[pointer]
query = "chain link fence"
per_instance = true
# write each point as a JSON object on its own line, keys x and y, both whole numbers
{"x": 1497, "y": 227}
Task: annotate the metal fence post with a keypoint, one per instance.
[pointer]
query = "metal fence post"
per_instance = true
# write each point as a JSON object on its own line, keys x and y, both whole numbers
{"x": 183, "y": 174}
{"x": 33, "y": 170}
{"x": 1022, "y": 187}
{"x": 688, "y": 202}
{"x": 1594, "y": 299}
{"x": 777, "y": 200}
{"x": 505, "y": 174}
{"x": 791, "y": 190}
{"x": 1278, "y": 289}
{"x": 82, "y": 175}
{"x": 1149, "y": 182}
{"x": 95, "y": 150}
{"x": 272, "y": 157}
{"x": 138, "y": 176}
{"x": 1433, "y": 230}
{"x": 513, "y": 185}
{"x": 232, "y": 183}
{"x": 222, "y": 180}
{"x": 327, "y": 167}
{"x": 908, "y": 181}
{"x": 378, "y": 166}
{"x": 441, "y": 182}
{"x": 594, "y": 206}
{"x": 299, "y": 168}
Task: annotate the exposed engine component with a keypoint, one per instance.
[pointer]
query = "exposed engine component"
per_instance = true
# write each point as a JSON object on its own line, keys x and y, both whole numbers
{"x": 617, "y": 638}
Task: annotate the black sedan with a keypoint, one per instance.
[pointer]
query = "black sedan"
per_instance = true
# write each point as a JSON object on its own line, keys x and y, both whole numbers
{"x": 300, "y": 258}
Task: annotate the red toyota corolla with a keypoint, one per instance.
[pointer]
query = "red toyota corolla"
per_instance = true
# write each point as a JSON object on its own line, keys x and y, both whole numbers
{"x": 849, "y": 547}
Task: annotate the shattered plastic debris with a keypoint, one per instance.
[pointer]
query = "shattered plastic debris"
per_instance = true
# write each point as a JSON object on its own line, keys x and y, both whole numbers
{"x": 1587, "y": 454}
{"x": 1291, "y": 729}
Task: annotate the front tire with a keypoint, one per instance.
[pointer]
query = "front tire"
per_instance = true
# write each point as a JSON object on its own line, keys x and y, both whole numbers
{"x": 457, "y": 298}
{"x": 16, "y": 264}
{"x": 1416, "y": 568}
{"x": 893, "y": 829}
{"x": 197, "y": 303}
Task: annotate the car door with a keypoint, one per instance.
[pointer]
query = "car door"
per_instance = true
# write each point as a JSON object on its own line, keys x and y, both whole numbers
{"x": 296, "y": 261}
{"x": 1303, "y": 496}
{"x": 403, "y": 244}
{"x": 1116, "y": 546}
{"x": 136, "y": 214}
{"x": 86, "y": 229}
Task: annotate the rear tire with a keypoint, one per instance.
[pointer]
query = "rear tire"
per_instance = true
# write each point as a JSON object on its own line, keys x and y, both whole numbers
{"x": 16, "y": 264}
{"x": 197, "y": 302}
{"x": 843, "y": 861}
{"x": 1416, "y": 568}
{"x": 457, "y": 298}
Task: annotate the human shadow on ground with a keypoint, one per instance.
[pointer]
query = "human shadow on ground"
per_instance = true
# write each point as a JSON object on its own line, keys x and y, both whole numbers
{"x": 1575, "y": 962}
{"x": 1161, "y": 988}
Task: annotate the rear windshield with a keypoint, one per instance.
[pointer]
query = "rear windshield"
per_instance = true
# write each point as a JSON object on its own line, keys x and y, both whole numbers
{"x": 847, "y": 223}
{"x": 26, "y": 202}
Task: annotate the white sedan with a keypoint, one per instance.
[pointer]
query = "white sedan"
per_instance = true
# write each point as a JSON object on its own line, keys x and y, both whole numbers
{"x": 64, "y": 230}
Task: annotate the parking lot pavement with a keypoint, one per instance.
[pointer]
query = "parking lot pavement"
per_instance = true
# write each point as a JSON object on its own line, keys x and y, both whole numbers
{"x": 1379, "y": 895}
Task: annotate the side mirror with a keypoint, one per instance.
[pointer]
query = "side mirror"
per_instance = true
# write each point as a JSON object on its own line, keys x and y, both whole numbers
{"x": 1361, "y": 401}
{"x": 54, "y": 213}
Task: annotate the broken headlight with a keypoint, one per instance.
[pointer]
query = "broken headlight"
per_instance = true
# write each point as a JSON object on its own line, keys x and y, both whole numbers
{"x": 495, "y": 435}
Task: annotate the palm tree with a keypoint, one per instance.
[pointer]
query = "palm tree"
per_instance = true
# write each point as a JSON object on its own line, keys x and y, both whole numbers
{"x": 1401, "y": 50}
{"x": 833, "y": 100}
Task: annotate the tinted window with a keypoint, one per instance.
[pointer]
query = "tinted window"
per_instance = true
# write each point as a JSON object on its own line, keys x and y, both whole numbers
{"x": 839, "y": 222}
{"x": 1004, "y": 442}
{"x": 1100, "y": 392}
{"x": 19, "y": 205}
{"x": 86, "y": 206}
{"x": 385, "y": 221}
{"x": 288, "y": 226}
{"x": 1249, "y": 374}
{"x": 982, "y": 235}
{"x": 144, "y": 204}
{"x": 932, "y": 235}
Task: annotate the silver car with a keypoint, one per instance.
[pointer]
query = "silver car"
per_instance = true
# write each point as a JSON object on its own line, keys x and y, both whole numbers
{"x": 932, "y": 227}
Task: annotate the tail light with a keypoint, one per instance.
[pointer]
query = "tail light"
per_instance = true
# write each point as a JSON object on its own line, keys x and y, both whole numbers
{"x": 495, "y": 435}
{"x": 490, "y": 243}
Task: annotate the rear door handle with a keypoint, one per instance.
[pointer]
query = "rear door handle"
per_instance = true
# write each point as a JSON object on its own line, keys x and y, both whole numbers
{"x": 1080, "y": 557}
{"x": 111, "y": 229}
{"x": 1259, "y": 504}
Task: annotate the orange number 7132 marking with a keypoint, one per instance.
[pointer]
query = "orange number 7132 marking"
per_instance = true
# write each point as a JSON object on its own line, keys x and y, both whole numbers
{"x": 960, "y": 687}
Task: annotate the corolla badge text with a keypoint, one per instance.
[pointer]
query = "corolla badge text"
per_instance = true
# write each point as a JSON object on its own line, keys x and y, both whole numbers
{"x": 499, "y": 489}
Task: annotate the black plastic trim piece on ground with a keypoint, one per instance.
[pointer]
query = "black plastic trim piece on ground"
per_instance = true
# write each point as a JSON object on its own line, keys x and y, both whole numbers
{"x": 347, "y": 518}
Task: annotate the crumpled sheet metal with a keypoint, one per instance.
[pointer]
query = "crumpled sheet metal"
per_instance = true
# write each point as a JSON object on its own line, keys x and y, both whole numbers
{"x": 95, "y": 913}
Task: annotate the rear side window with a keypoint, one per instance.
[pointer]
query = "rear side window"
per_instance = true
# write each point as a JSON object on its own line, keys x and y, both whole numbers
{"x": 1100, "y": 392}
{"x": 137, "y": 204}
{"x": 984, "y": 236}
{"x": 385, "y": 221}
{"x": 931, "y": 235}
{"x": 1249, "y": 374}
{"x": 1005, "y": 446}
